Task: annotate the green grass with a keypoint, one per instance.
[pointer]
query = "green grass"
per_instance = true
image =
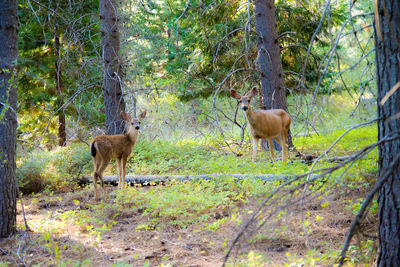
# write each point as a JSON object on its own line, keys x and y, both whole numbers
{"x": 206, "y": 205}
{"x": 180, "y": 205}
{"x": 190, "y": 158}
{"x": 54, "y": 169}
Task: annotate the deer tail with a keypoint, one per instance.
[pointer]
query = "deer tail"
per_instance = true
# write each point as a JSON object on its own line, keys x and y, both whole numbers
{"x": 93, "y": 149}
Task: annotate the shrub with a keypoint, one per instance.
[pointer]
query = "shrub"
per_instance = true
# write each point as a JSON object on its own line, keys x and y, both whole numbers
{"x": 73, "y": 161}
{"x": 31, "y": 171}
{"x": 42, "y": 169}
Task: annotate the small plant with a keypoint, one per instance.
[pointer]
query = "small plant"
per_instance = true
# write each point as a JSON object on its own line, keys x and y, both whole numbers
{"x": 180, "y": 204}
{"x": 254, "y": 259}
{"x": 92, "y": 221}
{"x": 53, "y": 170}
{"x": 216, "y": 225}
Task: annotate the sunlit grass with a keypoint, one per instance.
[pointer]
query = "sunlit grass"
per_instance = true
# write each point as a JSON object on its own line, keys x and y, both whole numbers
{"x": 354, "y": 140}
{"x": 180, "y": 205}
{"x": 189, "y": 158}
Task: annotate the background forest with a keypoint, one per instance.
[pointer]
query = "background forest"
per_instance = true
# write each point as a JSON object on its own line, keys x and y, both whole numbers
{"x": 178, "y": 60}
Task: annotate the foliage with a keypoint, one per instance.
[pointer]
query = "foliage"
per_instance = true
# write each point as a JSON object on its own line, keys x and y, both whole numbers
{"x": 189, "y": 50}
{"x": 40, "y": 23}
{"x": 360, "y": 256}
{"x": 207, "y": 205}
{"x": 53, "y": 170}
{"x": 180, "y": 204}
{"x": 176, "y": 52}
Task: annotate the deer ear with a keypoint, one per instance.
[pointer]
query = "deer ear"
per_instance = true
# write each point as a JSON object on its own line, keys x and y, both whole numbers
{"x": 253, "y": 92}
{"x": 142, "y": 115}
{"x": 125, "y": 116}
{"x": 235, "y": 94}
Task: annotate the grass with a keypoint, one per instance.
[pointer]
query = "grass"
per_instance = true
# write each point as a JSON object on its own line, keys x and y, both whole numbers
{"x": 211, "y": 209}
{"x": 189, "y": 223}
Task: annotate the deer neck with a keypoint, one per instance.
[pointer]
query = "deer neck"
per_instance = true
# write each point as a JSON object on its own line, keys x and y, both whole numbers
{"x": 251, "y": 117}
{"x": 133, "y": 134}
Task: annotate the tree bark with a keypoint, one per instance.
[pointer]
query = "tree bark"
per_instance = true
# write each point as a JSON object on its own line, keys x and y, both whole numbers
{"x": 387, "y": 44}
{"x": 269, "y": 58}
{"x": 8, "y": 117}
{"x": 113, "y": 98}
{"x": 62, "y": 135}
{"x": 270, "y": 62}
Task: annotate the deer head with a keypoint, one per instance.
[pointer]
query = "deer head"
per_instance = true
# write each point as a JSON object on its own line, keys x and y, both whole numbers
{"x": 244, "y": 100}
{"x": 134, "y": 124}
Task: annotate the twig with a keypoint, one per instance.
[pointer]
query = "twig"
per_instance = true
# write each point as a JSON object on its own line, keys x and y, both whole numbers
{"x": 323, "y": 172}
{"x": 177, "y": 30}
{"x": 216, "y": 121}
{"x": 331, "y": 53}
{"x": 9, "y": 256}
{"x": 346, "y": 132}
{"x": 27, "y": 229}
{"x": 19, "y": 250}
{"x": 327, "y": 5}
{"x": 365, "y": 204}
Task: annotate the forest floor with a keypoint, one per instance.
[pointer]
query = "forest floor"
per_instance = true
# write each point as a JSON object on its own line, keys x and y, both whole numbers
{"x": 194, "y": 223}
{"x": 52, "y": 241}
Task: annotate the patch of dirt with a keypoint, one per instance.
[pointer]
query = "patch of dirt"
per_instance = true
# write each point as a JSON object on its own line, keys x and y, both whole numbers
{"x": 191, "y": 246}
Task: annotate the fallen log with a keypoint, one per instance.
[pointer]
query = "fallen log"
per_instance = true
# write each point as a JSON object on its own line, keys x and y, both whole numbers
{"x": 160, "y": 179}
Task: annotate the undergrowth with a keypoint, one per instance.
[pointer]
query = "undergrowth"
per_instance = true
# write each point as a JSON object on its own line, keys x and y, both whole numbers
{"x": 207, "y": 205}
{"x": 179, "y": 204}
{"x": 53, "y": 170}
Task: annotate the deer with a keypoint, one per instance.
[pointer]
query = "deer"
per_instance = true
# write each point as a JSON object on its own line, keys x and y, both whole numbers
{"x": 106, "y": 147}
{"x": 265, "y": 124}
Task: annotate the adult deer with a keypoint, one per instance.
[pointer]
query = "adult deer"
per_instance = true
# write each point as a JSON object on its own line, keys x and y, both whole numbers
{"x": 265, "y": 124}
{"x": 106, "y": 147}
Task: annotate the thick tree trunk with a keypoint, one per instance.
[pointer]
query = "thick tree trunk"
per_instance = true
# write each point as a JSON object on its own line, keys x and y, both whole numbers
{"x": 8, "y": 117}
{"x": 113, "y": 98}
{"x": 269, "y": 57}
{"x": 388, "y": 74}
{"x": 62, "y": 135}
{"x": 270, "y": 61}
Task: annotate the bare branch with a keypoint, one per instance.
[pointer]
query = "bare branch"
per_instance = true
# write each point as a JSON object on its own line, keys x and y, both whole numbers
{"x": 381, "y": 181}
{"x": 390, "y": 93}
{"x": 311, "y": 177}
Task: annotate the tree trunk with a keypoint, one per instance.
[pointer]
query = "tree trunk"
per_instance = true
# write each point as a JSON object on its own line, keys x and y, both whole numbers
{"x": 62, "y": 135}
{"x": 8, "y": 117}
{"x": 269, "y": 58}
{"x": 270, "y": 61}
{"x": 388, "y": 74}
{"x": 113, "y": 98}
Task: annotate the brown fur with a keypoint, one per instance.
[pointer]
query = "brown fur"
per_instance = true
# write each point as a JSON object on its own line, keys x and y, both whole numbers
{"x": 106, "y": 147}
{"x": 265, "y": 124}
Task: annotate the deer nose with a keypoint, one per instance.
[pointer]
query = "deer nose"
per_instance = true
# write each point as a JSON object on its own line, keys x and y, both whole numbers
{"x": 137, "y": 127}
{"x": 245, "y": 108}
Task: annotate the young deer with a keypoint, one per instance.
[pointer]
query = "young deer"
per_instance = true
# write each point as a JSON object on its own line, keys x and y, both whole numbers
{"x": 265, "y": 124}
{"x": 106, "y": 147}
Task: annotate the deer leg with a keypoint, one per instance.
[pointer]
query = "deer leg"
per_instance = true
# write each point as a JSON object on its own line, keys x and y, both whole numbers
{"x": 255, "y": 147}
{"x": 285, "y": 146}
{"x": 97, "y": 162}
{"x": 119, "y": 172}
{"x": 284, "y": 150}
{"x": 95, "y": 185}
{"x": 124, "y": 159}
{"x": 100, "y": 172}
{"x": 271, "y": 148}
{"x": 282, "y": 143}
